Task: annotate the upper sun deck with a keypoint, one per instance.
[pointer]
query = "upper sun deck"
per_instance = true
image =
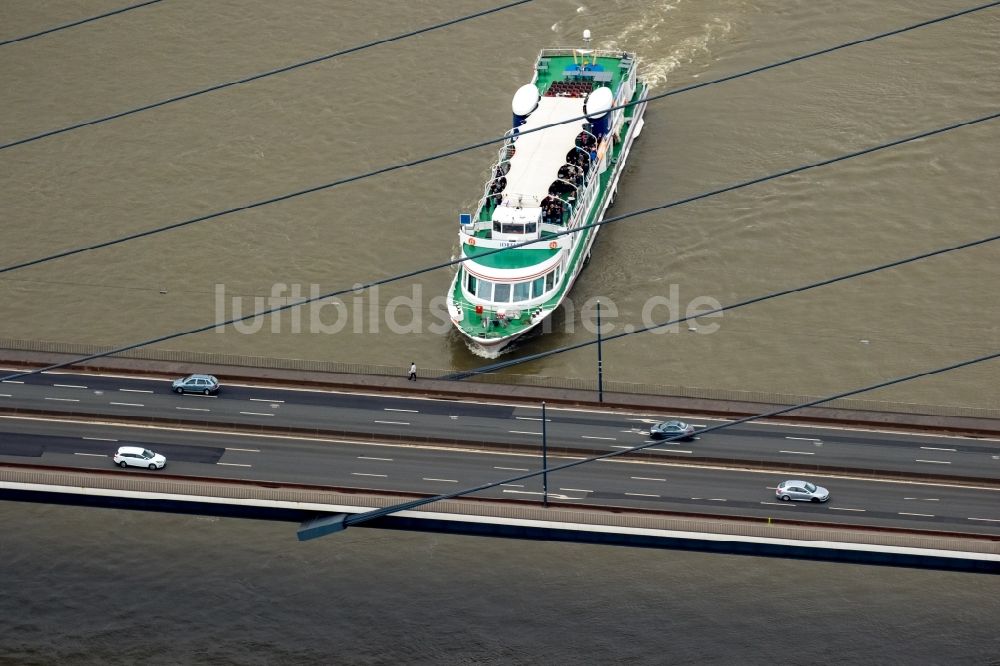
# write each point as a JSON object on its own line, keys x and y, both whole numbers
{"x": 585, "y": 72}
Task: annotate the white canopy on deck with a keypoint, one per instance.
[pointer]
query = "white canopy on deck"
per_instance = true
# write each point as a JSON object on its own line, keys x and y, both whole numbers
{"x": 539, "y": 155}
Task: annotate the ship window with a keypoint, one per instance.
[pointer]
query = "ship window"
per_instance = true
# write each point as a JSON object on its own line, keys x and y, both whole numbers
{"x": 550, "y": 280}
{"x": 521, "y": 291}
{"x": 530, "y": 227}
{"x": 538, "y": 287}
{"x": 471, "y": 283}
{"x": 513, "y": 229}
{"x": 485, "y": 290}
{"x": 501, "y": 293}
{"x": 496, "y": 226}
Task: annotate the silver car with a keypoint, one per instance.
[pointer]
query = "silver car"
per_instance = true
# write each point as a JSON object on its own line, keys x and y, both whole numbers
{"x": 204, "y": 384}
{"x": 802, "y": 491}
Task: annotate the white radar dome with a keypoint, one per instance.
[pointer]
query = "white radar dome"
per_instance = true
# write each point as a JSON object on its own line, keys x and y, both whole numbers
{"x": 525, "y": 100}
{"x": 598, "y": 102}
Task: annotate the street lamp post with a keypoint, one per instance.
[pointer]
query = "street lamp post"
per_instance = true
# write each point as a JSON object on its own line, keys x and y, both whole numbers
{"x": 545, "y": 463}
{"x": 600, "y": 358}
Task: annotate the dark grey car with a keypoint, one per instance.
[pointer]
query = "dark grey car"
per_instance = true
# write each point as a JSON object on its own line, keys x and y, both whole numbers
{"x": 671, "y": 429}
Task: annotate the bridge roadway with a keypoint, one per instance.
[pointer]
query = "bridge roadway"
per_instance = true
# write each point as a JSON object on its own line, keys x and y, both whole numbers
{"x": 87, "y": 418}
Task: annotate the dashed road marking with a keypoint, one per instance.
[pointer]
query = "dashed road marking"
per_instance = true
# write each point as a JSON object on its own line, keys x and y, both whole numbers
{"x": 374, "y": 458}
{"x": 365, "y": 474}
{"x": 936, "y": 462}
{"x": 127, "y": 404}
{"x": 844, "y": 508}
{"x": 393, "y": 409}
{"x": 523, "y": 432}
{"x": 936, "y": 448}
{"x": 233, "y": 464}
{"x": 101, "y": 439}
{"x": 392, "y": 422}
{"x": 135, "y": 390}
{"x": 647, "y": 478}
{"x": 613, "y": 439}
{"x": 230, "y": 448}
{"x": 513, "y": 469}
{"x": 922, "y": 515}
{"x": 257, "y": 413}
{"x": 194, "y": 409}
{"x": 69, "y": 386}
{"x": 442, "y": 480}
{"x": 66, "y": 400}
{"x": 801, "y": 453}
{"x": 641, "y": 495}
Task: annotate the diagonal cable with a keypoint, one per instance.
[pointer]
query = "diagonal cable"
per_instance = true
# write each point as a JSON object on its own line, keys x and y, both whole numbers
{"x": 355, "y": 519}
{"x": 419, "y": 271}
{"x": 120, "y": 10}
{"x": 261, "y": 75}
{"x": 449, "y": 153}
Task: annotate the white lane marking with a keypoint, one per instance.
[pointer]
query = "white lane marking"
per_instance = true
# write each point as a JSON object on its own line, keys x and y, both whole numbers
{"x": 936, "y": 462}
{"x": 936, "y": 448}
{"x": 532, "y": 418}
{"x": 392, "y": 409}
{"x": 195, "y": 409}
{"x": 524, "y": 432}
{"x": 801, "y": 453}
{"x": 715, "y": 499}
{"x": 69, "y": 386}
{"x": 621, "y": 446}
{"x": 647, "y": 478}
{"x": 12, "y": 381}
{"x": 576, "y": 490}
{"x": 257, "y": 413}
{"x": 513, "y": 469}
{"x": 364, "y": 474}
{"x": 231, "y": 448}
{"x": 640, "y": 495}
{"x": 613, "y": 439}
{"x": 135, "y": 390}
{"x": 101, "y": 439}
{"x": 97, "y": 455}
{"x": 669, "y": 450}
{"x": 844, "y": 508}
{"x": 374, "y": 458}
{"x": 442, "y": 480}
{"x": 127, "y": 404}
{"x": 6, "y": 395}
{"x": 392, "y": 422}
{"x": 233, "y": 464}
{"x": 513, "y": 485}
{"x": 266, "y": 400}
{"x": 923, "y": 515}
{"x": 926, "y": 499}
{"x": 988, "y": 520}
{"x": 805, "y": 439}
{"x": 770, "y": 503}
{"x": 66, "y": 400}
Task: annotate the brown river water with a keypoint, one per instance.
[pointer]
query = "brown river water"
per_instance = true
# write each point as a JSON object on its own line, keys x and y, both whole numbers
{"x": 101, "y": 586}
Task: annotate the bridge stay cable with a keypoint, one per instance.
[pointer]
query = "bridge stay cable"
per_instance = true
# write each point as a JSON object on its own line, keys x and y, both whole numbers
{"x": 260, "y": 75}
{"x": 456, "y": 151}
{"x": 73, "y": 24}
{"x": 362, "y": 287}
{"x": 331, "y": 523}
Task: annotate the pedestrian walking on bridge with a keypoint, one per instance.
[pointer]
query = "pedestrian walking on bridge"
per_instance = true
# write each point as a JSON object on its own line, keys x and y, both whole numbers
{"x": 413, "y": 372}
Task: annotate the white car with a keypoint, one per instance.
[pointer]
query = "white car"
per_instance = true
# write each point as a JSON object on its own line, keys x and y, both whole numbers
{"x": 136, "y": 456}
